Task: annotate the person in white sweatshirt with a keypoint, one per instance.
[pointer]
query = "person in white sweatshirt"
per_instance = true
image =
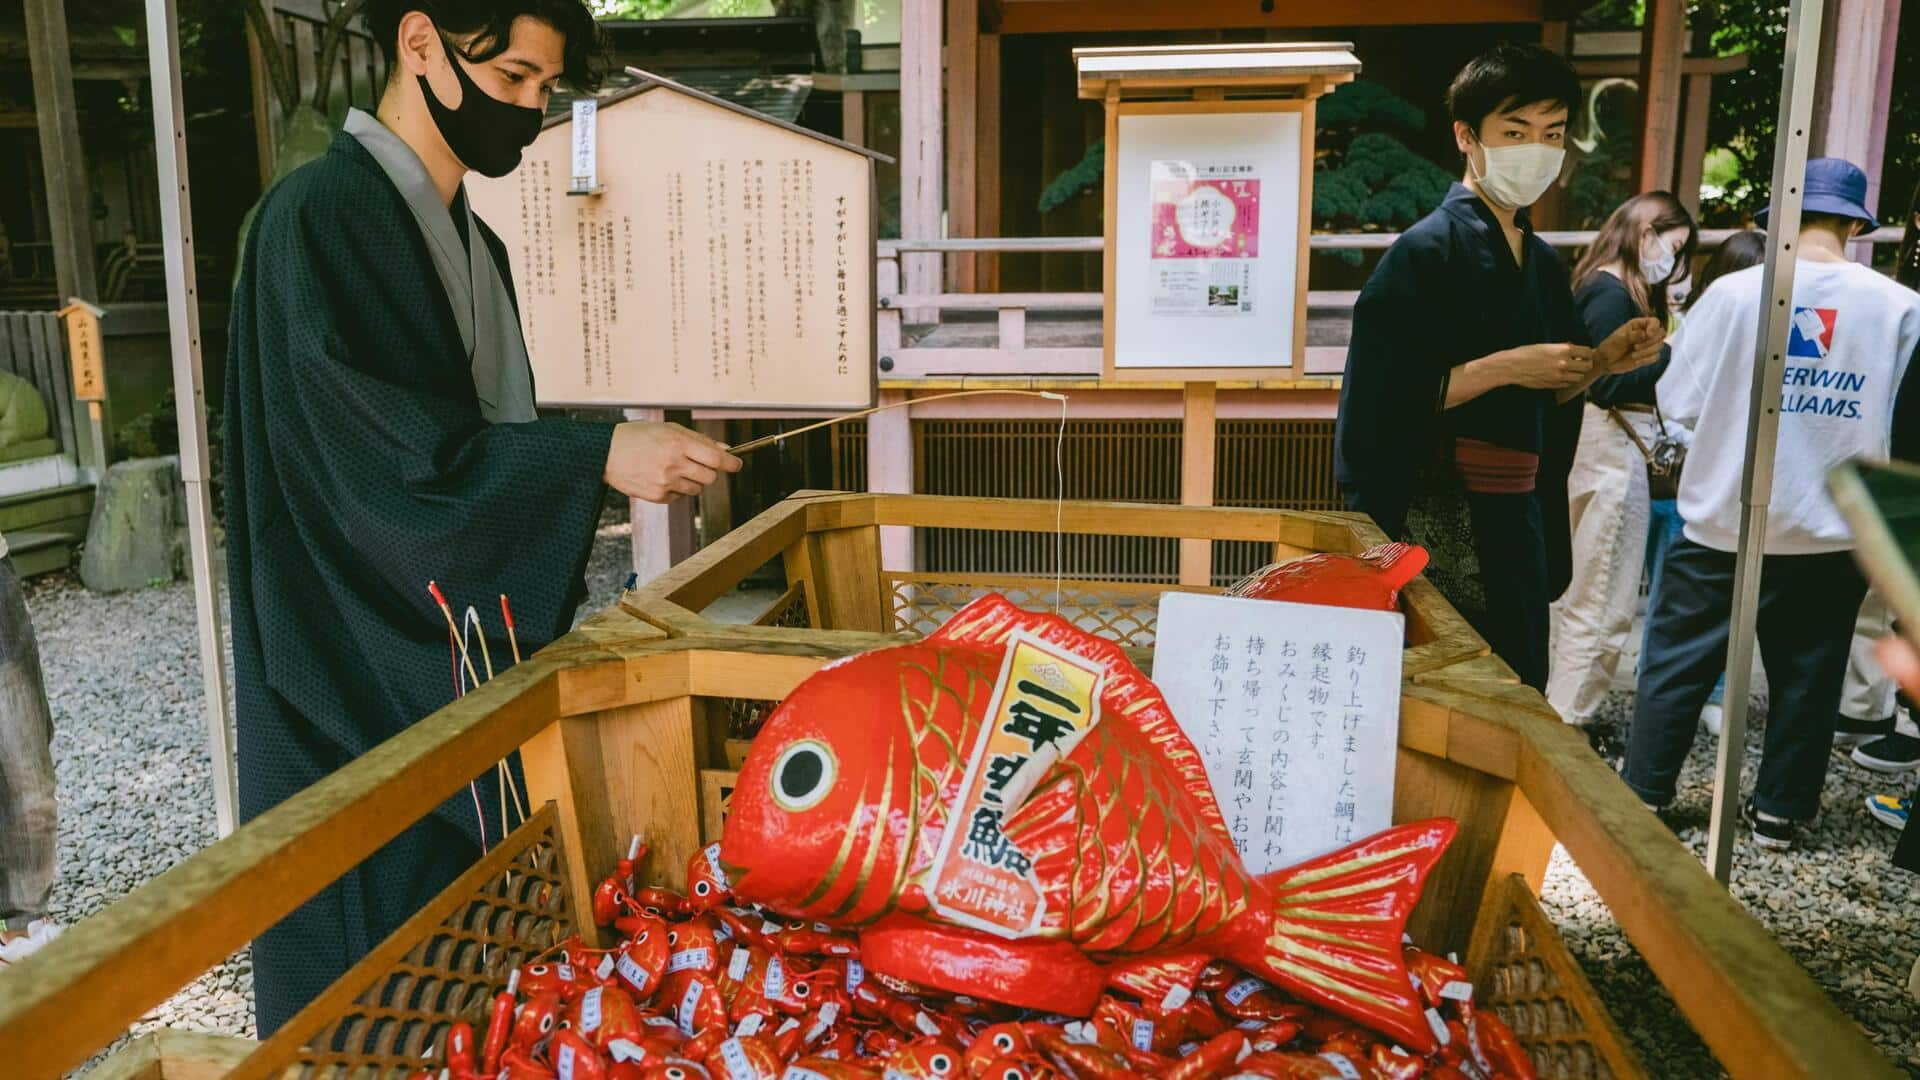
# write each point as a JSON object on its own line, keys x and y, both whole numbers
{"x": 1852, "y": 339}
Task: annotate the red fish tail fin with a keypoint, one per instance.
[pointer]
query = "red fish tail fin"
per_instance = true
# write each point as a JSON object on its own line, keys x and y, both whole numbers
{"x": 1398, "y": 563}
{"x": 1337, "y": 925}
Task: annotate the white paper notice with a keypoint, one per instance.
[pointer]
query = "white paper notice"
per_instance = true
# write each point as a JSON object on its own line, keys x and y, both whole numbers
{"x": 1295, "y": 709}
{"x": 586, "y": 158}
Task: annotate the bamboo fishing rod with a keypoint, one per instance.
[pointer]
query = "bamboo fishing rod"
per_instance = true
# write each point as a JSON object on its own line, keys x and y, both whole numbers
{"x": 771, "y": 440}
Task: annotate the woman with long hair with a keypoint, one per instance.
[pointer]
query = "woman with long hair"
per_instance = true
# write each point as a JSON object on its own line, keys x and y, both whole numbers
{"x": 1644, "y": 247}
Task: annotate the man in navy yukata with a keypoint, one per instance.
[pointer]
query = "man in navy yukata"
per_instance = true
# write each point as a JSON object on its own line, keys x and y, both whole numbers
{"x": 1460, "y": 408}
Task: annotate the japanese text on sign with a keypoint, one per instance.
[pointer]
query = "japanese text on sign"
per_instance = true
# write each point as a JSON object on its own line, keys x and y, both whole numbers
{"x": 1295, "y": 711}
{"x": 1044, "y": 702}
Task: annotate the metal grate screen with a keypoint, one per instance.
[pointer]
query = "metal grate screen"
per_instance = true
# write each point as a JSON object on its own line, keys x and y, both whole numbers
{"x": 1264, "y": 463}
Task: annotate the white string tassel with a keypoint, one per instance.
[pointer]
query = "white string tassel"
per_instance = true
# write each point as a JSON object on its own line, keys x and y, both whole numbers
{"x": 1059, "y": 496}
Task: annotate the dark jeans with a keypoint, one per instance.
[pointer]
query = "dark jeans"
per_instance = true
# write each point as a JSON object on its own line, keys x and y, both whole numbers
{"x": 1663, "y": 529}
{"x": 26, "y": 763}
{"x": 1511, "y": 547}
{"x": 1807, "y": 608}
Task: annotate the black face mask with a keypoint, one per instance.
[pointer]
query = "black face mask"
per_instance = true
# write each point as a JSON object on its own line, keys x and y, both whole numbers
{"x": 485, "y": 133}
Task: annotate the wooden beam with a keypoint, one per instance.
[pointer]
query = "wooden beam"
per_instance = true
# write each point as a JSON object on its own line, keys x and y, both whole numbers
{"x": 1197, "y": 451}
{"x": 1663, "y": 49}
{"x": 1085, "y": 16}
{"x": 69, "y": 198}
{"x": 920, "y": 144}
{"x": 1853, "y": 87}
{"x": 890, "y": 469}
{"x": 986, "y": 145}
{"x": 1693, "y": 142}
{"x": 962, "y": 155}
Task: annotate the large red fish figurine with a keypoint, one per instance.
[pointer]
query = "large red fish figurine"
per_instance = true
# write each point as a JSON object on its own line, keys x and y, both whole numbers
{"x": 1372, "y": 579}
{"x": 1008, "y": 809}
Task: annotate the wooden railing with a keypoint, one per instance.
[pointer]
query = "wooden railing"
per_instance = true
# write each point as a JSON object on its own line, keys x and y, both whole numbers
{"x": 905, "y": 358}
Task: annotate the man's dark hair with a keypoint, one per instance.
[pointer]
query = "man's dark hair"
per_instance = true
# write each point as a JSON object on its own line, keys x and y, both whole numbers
{"x": 488, "y": 27}
{"x": 1511, "y": 76}
{"x": 1837, "y": 223}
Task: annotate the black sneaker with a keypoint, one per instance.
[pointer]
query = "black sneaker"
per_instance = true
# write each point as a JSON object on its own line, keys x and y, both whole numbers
{"x": 1850, "y": 732}
{"x": 1771, "y": 833}
{"x": 1889, "y": 753}
{"x": 1607, "y": 740}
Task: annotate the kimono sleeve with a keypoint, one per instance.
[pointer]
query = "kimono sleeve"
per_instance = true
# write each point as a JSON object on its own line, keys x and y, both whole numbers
{"x": 1395, "y": 384}
{"x": 389, "y": 470}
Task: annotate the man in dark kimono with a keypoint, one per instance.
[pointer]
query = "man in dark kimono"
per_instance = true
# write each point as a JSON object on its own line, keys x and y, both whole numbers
{"x": 1450, "y": 431}
{"x": 381, "y": 433}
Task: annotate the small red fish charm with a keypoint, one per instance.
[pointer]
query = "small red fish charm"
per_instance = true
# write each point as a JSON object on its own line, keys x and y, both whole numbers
{"x": 707, "y": 886}
{"x": 842, "y": 808}
{"x": 1372, "y": 579}
{"x": 926, "y": 1058}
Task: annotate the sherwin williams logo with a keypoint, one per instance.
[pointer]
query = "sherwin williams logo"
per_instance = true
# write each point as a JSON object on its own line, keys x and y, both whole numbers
{"x": 1811, "y": 335}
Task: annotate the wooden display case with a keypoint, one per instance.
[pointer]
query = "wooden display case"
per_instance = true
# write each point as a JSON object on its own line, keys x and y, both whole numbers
{"x": 631, "y": 725}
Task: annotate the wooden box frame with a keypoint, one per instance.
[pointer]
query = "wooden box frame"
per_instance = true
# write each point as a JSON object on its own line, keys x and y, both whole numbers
{"x": 617, "y": 721}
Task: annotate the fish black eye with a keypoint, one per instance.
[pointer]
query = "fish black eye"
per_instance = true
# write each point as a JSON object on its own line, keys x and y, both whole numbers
{"x": 1013, "y": 1073}
{"x": 940, "y": 1063}
{"x": 1004, "y": 1041}
{"x": 802, "y": 775}
{"x": 701, "y": 888}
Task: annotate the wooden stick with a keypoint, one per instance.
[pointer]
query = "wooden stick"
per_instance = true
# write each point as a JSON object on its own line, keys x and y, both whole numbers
{"x": 769, "y": 440}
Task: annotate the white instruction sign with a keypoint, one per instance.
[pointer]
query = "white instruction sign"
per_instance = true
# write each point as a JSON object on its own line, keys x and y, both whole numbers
{"x": 1295, "y": 709}
{"x": 586, "y": 152}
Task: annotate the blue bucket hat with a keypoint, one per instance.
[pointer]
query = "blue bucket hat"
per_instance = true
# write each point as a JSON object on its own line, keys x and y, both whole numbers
{"x": 1833, "y": 186}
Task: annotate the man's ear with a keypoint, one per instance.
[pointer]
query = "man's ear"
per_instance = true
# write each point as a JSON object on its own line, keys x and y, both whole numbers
{"x": 420, "y": 45}
{"x": 1464, "y": 137}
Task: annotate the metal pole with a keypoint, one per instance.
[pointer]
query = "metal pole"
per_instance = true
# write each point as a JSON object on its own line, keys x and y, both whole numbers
{"x": 1763, "y": 417}
{"x": 183, "y": 327}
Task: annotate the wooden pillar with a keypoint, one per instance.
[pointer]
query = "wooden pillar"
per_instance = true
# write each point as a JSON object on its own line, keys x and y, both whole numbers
{"x": 662, "y": 535}
{"x": 1549, "y": 210}
{"x": 890, "y": 469}
{"x": 962, "y": 158}
{"x": 920, "y": 148}
{"x": 1852, "y": 89}
{"x": 69, "y": 199}
{"x": 853, "y": 116}
{"x": 1197, "y": 444}
{"x": 986, "y": 147}
{"x": 716, "y": 500}
{"x": 1663, "y": 48}
{"x": 1693, "y": 142}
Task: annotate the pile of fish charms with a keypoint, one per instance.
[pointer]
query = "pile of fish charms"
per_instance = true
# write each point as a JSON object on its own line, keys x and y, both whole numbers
{"x": 1008, "y": 810}
{"x": 1372, "y": 579}
{"x": 698, "y": 988}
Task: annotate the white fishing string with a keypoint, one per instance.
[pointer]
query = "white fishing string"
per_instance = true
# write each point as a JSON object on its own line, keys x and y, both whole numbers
{"x": 1059, "y": 496}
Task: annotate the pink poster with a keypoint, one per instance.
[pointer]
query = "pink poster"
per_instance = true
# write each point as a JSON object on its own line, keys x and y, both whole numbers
{"x": 1206, "y": 238}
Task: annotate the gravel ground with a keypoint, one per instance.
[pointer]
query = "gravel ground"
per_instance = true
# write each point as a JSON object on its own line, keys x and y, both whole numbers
{"x": 130, "y": 753}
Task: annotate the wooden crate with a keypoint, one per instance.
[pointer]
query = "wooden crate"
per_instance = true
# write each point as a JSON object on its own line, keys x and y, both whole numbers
{"x": 632, "y": 724}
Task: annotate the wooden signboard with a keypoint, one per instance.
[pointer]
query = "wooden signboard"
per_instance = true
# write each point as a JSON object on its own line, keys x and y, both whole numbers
{"x": 717, "y": 257}
{"x": 83, "y": 350}
{"x": 1209, "y": 184}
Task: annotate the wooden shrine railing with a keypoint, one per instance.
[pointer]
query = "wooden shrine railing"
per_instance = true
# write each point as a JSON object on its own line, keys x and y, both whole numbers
{"x": 916, "y": 340}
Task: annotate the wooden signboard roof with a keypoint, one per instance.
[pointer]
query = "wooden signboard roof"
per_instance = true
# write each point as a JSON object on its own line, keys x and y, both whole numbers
{"x": 1250, "y": 65}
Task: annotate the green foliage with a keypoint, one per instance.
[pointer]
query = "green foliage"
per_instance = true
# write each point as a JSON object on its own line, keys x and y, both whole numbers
{"x": 1083, "y": 176}
{"x": 156, "y": 433}
{"x": 1366, "y": 178}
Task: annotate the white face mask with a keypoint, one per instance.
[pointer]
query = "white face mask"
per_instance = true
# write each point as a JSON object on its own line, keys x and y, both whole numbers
{"x": 1656, "y": 260}
{"x": 1517, "y": 176}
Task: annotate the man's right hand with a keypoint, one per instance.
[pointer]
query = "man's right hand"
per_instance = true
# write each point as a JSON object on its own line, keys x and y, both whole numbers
{"x": 660, "y": 462}
{"x": 1552, "y": 366}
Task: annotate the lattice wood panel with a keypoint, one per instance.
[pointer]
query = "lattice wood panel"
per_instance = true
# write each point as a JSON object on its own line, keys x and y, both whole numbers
{"x": 446, "y": 964}
{"x": 1122, "y": 612}
{"x": 1527, "y": 976}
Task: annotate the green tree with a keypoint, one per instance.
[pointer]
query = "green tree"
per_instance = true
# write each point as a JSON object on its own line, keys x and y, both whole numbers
{"x": 1365, "y": 178}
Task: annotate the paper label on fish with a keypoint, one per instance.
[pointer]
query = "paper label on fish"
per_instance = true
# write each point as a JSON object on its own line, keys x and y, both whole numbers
{"x": 1457, "y": 990}
{"x": 1341, "y": 1064}
{"x": 686, "y": 959}
{"x": 776, "y": 978}
{"x": 856, "y": 974}
{"x": 563, "y": 1063}
{"x": 631, "y": 971}
{"x": 734, "y": 1056}
{"x": 750, "y": 1025}
{"x": 1045, "y": 701}
{"x": 605, "y": 968}
{"x": 737, "y": 963}
{"x": 1143, "y": 1034}
{"x": 590, "y": 1010}
{"x": 689, "y": 1001}
{"x": 1243, "y": 989}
